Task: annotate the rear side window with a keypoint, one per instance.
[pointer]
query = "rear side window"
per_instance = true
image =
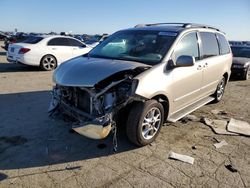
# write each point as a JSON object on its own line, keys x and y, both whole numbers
{"x": 32, "y": 40}
{"x": 187, "y": 46}
{"x": 224, "y": 47}
{"x": 58, "y": 42}
{"x": 74, "y": 42}
{"x": 210, "y": 46}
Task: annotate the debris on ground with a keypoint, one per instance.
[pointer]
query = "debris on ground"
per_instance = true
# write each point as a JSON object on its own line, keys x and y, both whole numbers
{"x": 220, "y": 144}
{"x": 219, "y": 112}
{"x": 194, "y": 147}
{"x": 231, "y": 168}
{"x": 190, "y": 117}
{"x": 180, "y": 157}
{"x": 73, "y": 168}
{"x": 218, "y": 126}
{"x": 238, "y": 126}
{"x": 231, "y": 127}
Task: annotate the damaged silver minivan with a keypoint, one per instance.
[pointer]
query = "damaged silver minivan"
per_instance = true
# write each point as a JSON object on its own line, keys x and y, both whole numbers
{"x": 155, "y": 72}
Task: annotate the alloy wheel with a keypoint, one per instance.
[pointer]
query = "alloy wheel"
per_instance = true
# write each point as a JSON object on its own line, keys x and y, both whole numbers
{"x": 151, "y": 123}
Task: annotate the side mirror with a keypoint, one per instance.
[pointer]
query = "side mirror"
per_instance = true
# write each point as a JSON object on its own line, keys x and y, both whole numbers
{"x": 185, "y": 61}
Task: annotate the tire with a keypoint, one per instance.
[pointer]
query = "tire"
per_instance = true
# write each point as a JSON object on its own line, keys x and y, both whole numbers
{"x": 141, "y": 128}
{"x": 246, "y": 74}
{"x": 220, "y": 90}
{"x": 48, "y": 63}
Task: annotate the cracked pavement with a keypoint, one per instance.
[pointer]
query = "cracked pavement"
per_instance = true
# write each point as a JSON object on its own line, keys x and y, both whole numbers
{"x": 53, "y": 156}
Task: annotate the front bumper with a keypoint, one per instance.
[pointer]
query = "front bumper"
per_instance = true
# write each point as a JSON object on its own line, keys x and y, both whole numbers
{"x": 238, "y": 71}
{"x": 87, "y": 125}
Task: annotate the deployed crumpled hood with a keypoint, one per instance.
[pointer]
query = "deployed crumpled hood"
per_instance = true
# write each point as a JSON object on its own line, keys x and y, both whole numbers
{"x": 86, "y": 72}
{"x": 241, "y": 60}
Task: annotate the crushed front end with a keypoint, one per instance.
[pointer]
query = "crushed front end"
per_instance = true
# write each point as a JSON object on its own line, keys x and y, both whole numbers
{"x": 93, "y": 110}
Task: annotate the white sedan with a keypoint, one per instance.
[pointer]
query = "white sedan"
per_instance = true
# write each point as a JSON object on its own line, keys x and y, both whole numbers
{"x": 46, "y": 51}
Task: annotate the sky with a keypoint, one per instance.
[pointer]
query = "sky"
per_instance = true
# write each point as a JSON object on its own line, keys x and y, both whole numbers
{"x": 98, "y": 16}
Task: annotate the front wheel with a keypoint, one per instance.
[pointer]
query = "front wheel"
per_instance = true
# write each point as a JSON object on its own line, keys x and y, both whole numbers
{"x": 48, "y": 63}
{"x": 144, "y": 122}
{"x": 220, "y": 90}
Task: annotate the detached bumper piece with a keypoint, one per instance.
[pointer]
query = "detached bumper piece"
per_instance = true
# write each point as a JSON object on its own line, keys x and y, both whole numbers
{"x": 93, "y": 130}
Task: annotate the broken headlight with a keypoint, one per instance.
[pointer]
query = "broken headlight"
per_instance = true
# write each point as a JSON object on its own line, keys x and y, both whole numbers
{"x": 134, "y": 85}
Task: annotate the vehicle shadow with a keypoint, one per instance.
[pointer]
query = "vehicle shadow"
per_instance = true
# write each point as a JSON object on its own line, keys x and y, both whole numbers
{"x": 11, "y": 67}
{"x": 29, "y": 138}
{"x": 235, "y": 79}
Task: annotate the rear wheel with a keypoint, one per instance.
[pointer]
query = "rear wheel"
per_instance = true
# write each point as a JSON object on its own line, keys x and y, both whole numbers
{"x": 144, "y": 122}
{"x": 48, "y": 63}
{"x": 220, "y": 90}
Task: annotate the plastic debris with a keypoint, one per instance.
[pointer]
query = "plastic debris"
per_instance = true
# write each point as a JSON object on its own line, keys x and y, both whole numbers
{"x": 220, "y": 144}
{"x": 190, "y": 118}
{"x": 218, "y": 126}
{"x": 231, "y": 168}
{"x": 219, "y": 112}
{"x": 238, "y": 126}
{"x": 180, "y": 157}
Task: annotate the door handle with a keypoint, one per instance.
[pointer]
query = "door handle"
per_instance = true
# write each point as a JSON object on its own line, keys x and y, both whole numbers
{"x": 199, "y": 67}
{"x": 205, "y": 65}
{"x": 54, "y": 48}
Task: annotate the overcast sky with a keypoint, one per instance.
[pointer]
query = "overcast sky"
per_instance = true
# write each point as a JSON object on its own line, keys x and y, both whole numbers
{"x": 97, "y": 16}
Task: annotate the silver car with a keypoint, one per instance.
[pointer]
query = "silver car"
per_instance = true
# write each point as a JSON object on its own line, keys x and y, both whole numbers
{"x": 143, "y": 76}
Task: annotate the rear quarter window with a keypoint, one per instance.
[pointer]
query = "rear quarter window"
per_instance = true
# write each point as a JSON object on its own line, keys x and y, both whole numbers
{"x": 224, "y": 46}
{"x": 74, "y": 42}
{"x": 32, "y": 40}
{"x": 210, "y": 46}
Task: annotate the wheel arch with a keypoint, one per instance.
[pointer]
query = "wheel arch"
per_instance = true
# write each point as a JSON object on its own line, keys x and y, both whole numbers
{"x": 226, "y": 76}
{"x": 163, "y": 99}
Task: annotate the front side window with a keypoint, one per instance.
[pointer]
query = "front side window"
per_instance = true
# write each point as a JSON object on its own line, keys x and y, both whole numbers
{"x": 210, "y": 46}
{"x": 58, "y": 42}
{"x": 148, "y": 47}
{"x": 187, "y": 46}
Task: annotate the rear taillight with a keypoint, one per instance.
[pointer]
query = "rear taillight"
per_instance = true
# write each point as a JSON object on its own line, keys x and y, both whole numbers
{"x": 23, "y": 50}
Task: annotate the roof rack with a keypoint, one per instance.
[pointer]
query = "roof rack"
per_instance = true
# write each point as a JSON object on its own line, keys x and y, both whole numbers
{"x": 183, "y": 25}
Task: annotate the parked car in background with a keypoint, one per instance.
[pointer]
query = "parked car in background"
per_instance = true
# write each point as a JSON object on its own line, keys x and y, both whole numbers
{"x": 3, "y": 35}
{"x": 96, "y": 39}
{"x": 10, "y": 39}
{"x": 80, "y": 37}
{"x": 46, "y": 51}
{"x": 155, "y": 72}
{"x": 239, "y": 43}
{"x": 241, "y": 62}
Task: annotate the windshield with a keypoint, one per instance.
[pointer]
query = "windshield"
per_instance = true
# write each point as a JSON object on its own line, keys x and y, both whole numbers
{"x": 241, "y": 52}
{"x": 148, "y": 47}
{"x": 32, "y": 40}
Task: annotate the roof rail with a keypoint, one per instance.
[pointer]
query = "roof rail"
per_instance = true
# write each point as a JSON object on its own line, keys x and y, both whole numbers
{"x": 183, "y": 25}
